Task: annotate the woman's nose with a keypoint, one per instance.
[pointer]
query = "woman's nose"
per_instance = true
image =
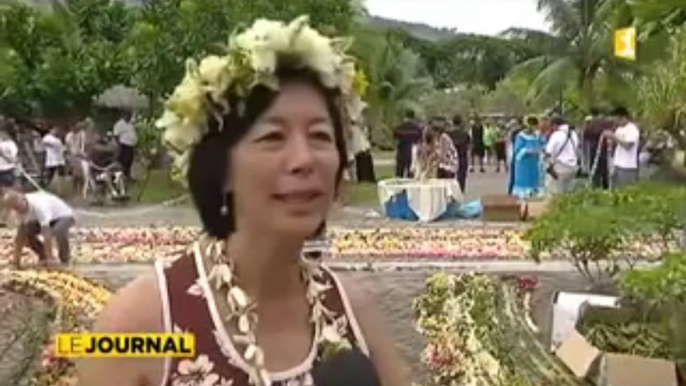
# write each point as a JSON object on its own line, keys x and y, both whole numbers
{"x": 299, "y": 155}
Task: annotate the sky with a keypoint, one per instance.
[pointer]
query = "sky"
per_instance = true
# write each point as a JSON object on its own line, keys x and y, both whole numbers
{"x": 488, "y": 17}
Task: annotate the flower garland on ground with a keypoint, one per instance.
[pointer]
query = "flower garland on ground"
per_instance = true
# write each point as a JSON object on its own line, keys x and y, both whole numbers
{"x": 144, "y": 245}
{"x": 78, "y": 303}
{"x": 477, "y": 334}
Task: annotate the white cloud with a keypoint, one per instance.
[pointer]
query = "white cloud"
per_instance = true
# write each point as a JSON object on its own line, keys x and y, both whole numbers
{"x": 472, "y": 16}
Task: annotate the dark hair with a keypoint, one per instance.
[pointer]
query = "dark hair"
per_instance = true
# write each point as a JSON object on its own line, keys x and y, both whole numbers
{"x": 594, "y": 111}
{"x": 557, "y": 121}
{"x": 532, "y": 121}
{"x": 410, "y": 114}
{"x": 457, "y": 120}
{"x": 621, "y": 112}
{"x": 209, "y": 159}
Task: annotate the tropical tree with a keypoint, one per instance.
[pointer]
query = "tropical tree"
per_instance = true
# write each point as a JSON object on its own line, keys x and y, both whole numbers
{"x": 60, "y": 58}
{"x": 509, "y": 97}
{"x": 397, "y": 79}
{"x": 578, "y": 51}
{"x": 662, "y": 92}
{"x": 464, "y": 100}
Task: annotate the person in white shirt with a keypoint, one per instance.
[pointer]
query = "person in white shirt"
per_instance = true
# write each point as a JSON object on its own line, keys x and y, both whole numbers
{"x": 9, "y": 153}
{"x": 627, "y": 138}
{"x": 40, "y": 214}
{"x": 562, "y": 154}
{"x": 125, "y": 132}
{"x": 54, "y": 156}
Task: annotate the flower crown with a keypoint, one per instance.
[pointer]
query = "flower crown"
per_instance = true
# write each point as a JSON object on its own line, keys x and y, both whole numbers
{"x": 251, "y": 60}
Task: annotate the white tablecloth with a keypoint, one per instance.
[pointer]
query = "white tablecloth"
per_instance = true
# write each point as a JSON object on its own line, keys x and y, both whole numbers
{"x": 428, "y": 199}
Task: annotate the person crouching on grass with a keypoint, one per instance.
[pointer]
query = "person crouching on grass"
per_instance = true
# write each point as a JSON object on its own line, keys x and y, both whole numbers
{"x": 44, "y": 214}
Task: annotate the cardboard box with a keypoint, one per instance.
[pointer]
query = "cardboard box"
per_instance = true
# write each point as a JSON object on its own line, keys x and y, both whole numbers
{"x": 500, "y": 208}
{"x": 578, "y": 354}
{"x": 629, "y": 370}
{"x": 533, "y": 210}
{"x": 603, "y": 369}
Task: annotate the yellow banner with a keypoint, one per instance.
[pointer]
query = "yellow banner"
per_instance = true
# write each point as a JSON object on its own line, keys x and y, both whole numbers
{"x": 141, "y": 345}
{"x": 625, "y": 43}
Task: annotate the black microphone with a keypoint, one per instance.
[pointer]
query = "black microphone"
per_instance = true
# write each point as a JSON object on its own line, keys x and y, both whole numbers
{"x": 346, "y": 368}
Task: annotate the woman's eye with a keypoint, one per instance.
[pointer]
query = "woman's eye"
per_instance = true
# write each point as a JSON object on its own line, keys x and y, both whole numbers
{"x": 272, "y": 137}
{"x": 322, "y": 136}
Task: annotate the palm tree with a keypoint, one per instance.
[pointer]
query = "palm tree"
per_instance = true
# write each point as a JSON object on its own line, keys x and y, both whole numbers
{"x": 578, "y": 50}
{"x": 396, "y": 77}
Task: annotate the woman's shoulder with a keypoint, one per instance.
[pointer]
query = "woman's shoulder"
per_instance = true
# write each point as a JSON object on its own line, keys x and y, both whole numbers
{"x": 135, "y": 307}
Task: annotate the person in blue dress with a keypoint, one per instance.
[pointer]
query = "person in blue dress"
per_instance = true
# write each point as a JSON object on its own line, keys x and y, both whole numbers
{"x": 525, "y": 176}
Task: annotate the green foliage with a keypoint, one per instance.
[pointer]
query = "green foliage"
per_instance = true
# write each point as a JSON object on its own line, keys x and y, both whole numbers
{"x": 59, "y": 60}
{"x": 663, "y": 285}
{"x": 397, "y": 79}
{"x": 577, "y": 52}
{"x": 597, "y": 230}
{"x": 662, "y": 92}
{"x": 633, "y": 338}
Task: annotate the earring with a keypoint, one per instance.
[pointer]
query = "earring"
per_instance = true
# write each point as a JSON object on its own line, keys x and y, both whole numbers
{"x": 224, "y": 210}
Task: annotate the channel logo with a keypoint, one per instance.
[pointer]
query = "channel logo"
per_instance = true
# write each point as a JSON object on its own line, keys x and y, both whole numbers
{"x": 120, "y": 345}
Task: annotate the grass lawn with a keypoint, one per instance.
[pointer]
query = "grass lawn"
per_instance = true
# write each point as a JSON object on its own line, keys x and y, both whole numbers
{"x": 365, "y": 194}
{"x": 159, "y": 188}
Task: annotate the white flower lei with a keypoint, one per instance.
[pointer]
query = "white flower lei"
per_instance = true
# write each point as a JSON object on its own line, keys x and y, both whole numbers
{"x": 251, "y": 60}
{"x": 329, "y": 328}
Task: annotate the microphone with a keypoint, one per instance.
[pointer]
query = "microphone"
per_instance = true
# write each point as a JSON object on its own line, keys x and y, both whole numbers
{"x": 346, "y": 368}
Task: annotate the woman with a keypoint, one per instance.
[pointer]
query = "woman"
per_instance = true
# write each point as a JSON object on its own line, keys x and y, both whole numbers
{"x": 447, "y": 155}
{"x": 427, "y": 155}
{"x": 526, "y": 161}
{"x": 263, "y": 173}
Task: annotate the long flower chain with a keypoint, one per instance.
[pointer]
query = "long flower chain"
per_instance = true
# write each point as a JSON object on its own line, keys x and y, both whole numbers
{"x": 328, "y": 328}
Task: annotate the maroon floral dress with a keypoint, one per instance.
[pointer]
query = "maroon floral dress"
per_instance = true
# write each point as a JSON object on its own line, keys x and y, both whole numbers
{"x": 189, "y": 306}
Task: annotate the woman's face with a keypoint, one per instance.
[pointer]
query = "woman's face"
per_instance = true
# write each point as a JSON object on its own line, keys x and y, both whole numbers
{"x": 283, "y": 171}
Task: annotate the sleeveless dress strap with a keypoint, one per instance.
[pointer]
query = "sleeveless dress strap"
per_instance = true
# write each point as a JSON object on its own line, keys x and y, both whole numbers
{"x": 166, "y": 312}
{"x": 347, "y": 309}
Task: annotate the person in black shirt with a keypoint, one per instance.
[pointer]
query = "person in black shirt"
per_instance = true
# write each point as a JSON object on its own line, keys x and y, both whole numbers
{"x": 593, "y": 136}
{"x": 461, "y": 140}
{"x": 478, "y": 147}
{"x": 407, "y": 134}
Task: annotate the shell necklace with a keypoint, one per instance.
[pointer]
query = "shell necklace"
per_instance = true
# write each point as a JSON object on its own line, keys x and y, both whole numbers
{"x": 329, "y": 328}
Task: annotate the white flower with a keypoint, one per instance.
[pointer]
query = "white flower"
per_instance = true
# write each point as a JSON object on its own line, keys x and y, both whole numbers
{"x": 315, "y": 289}
{"x": 330, "y": 333}
{"x": 195, "y": 373}
{"x": 187, "y": 101}
{"x": 201, "y": 365}
{"x": 263, "y": 60}
{"x": 214, "y": 75}
{"x": 225, "y": 382}
{"x": 261, "y": 32}
{"x": 243, "y": 324}
{"x": 178, "y": 135}
{"x": 196, "y": 289}
{"x": 221, "y": 275}
{"x": 239, "y": 297}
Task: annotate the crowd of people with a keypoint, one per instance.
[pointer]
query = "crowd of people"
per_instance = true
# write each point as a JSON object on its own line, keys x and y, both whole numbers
{"x": 43, "y": 159}
{"x": 49, "y": 154}
{"x": 543, "y": 155}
